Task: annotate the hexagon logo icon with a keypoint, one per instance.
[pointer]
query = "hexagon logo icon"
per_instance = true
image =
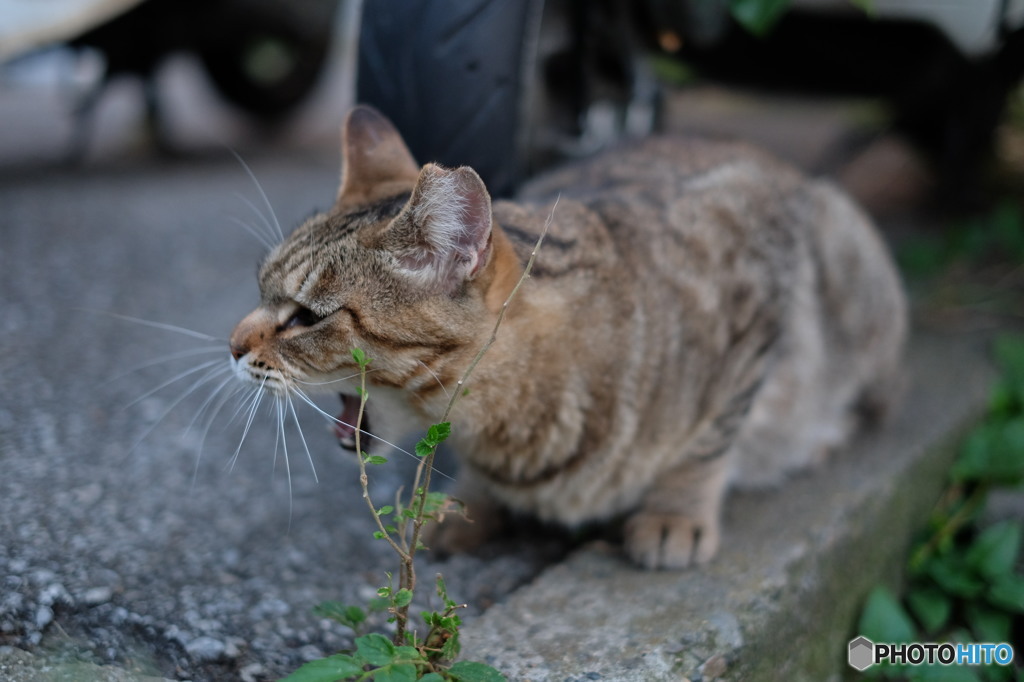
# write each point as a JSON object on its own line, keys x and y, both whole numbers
{"x": 861, "y": 654}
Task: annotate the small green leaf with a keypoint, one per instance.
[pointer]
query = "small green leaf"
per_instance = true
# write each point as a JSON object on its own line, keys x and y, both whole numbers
{"x": 375, "y": 459}
{"x": 451, "y": 647}
{"x": 379, "y": 535}
{"x": 987, "y": 624}
{"x": 866, "y": 6}
{"x": 471, "y": 671}
{"x": 403, "y": 597}
{"x": 1007, "y": 592}
{"x": 994, "y": 552}
{"x": 931, "y": 606}
{"x": 385, "y": 510}
{"x": 884, "y": 619}
{"x": 438, "y": 433}
{"x": 349, "y": 616}
{"x": 379, "y": 604}
{"x": 408, "y": 653}
{"x": 758, "y": 16}
{"x": 1010, "y": 356}
{"x": 360, "y": 357}
{"x": 953, "y": 575}
{"x": 424, "y": 448}
{"x": 993, "y": 452}
{"x": 330, "y": 669}
{"x": 401, "y": 672}
{"x": 375, "y": 649}
{"x": 434, "y": 502}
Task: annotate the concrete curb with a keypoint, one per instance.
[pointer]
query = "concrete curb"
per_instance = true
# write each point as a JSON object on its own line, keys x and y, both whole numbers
{"x": 781, "y": 601}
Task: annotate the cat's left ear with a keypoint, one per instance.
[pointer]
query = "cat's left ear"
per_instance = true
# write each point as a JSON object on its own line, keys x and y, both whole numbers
{"x": 443, "y": 236}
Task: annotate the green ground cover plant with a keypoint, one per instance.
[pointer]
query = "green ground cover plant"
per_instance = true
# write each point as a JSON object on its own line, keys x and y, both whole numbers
{"x": 965, "y": 581}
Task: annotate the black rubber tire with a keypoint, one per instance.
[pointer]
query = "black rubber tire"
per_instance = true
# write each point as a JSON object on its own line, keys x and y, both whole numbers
{"x": 302, "y": 31}
{"x": 454, "y": 77}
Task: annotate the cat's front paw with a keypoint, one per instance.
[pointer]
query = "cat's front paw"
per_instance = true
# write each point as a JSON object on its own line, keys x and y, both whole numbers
{"x": 463, "y": 531}
{"x": 664, "y": 540}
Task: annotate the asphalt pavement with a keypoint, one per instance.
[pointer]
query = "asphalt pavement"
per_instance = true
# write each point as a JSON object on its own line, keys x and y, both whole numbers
{"x": 130, "y": 533}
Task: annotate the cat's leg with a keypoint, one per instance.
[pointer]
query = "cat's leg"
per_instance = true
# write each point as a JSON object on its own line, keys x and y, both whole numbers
{"x": 480, "y": 518}
{"x": 679, "y": 521}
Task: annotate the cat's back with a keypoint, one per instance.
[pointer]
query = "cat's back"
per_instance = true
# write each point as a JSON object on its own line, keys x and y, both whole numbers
{"x": 660, "y": 168}
{"x": 660, "y": 206}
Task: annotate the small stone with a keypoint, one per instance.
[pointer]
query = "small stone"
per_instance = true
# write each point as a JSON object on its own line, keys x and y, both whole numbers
{"x": 95, "y": 596}
{"x": 205, "y": 649}
{"x": 310, "y": 652}
{"x": 714, "y": 667}
{"x": 233, "y": 647}
{"x": 41, "y": 576}
{"x": 87, "y": 495}
{"x": 53, "y": 593}
{"x": 251, "y": 673}
{"x": 44, "y": 616}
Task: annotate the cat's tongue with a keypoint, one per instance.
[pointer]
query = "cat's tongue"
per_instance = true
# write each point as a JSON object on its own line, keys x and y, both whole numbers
{"x": 345, "y": 425}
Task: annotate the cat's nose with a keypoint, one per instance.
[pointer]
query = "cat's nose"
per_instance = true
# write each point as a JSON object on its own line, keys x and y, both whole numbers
{"x": 252, "y": 332}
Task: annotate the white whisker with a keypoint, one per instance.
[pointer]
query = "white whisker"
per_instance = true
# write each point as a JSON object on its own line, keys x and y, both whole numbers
{"x": 213, "y": 373}
{"x": 245, "y": 401}
{"x": 248, "y": 423}
{"x": 332, "y": 381}
{"x": 158, "y": 325}
{"x": 211, "y": 419}
{"x": 277, "y": 443}
{"x": 284, "y": 448}
{"x": 436, "y": 378}
{"x": 209, "y": 400}
{"x": 259, "y": 188}
{"x": 177, "y": 377}
{"x": 270, "y": 233}
{"x": 168, "y": 358}
{"x": 259, "y": 236}
{"x": 295, "y": 417}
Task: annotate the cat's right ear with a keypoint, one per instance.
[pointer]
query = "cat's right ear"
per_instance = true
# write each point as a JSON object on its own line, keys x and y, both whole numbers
{"x": 376, "y": 164}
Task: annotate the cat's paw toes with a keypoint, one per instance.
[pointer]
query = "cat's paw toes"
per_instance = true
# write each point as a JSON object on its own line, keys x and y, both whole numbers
{"x": 661, "y": 540}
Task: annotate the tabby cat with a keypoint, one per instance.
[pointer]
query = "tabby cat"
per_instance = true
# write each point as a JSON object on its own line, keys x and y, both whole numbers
{"x": 700, "y": 315}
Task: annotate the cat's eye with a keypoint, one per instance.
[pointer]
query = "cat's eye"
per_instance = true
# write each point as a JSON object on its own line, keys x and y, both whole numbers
{"x": 302, "y": 317}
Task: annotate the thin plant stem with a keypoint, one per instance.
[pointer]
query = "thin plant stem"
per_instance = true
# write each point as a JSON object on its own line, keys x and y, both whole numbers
{"x": 426, "y": 466}
{"x": 364, "y": 480}
{"x": 406, "y": 550}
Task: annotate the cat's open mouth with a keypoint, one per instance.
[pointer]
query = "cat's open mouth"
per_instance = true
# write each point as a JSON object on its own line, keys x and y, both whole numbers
{"x": 345, "y": 424}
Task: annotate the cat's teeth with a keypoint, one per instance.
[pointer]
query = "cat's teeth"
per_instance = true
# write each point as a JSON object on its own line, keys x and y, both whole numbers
{"x": 344, "y": 427}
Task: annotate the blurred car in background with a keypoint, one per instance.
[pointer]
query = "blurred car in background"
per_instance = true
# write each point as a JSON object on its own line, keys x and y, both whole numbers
{"x": 263, "y": 56}
{"x": 507, "y": 87}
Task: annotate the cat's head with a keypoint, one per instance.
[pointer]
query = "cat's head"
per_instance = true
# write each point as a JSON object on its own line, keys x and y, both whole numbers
{"x": 399, "y": 268}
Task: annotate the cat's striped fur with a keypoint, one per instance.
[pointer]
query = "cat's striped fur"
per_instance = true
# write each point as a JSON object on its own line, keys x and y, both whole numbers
{"x": 699, "y": 315}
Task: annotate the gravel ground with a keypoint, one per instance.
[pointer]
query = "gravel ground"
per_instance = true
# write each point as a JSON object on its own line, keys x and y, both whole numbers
{"x": 127, "y": 537}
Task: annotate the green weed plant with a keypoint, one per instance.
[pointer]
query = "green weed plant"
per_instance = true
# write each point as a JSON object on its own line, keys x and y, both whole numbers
{"x": 965, "y": 580}
{"x": 407, "y": 656}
